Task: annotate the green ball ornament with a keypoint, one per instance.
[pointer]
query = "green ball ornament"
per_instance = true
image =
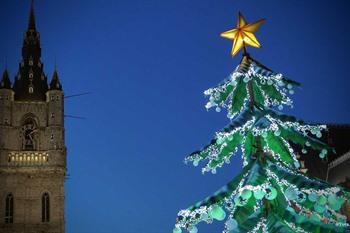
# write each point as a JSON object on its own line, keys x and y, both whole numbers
{"x": 231, "y": 224}
{"x": 291, "y": 193}
{"x": 336, "y": 206}
{"x": 177, "y": 230}
{"x": 271, "y": 193}
{"x": 193, "y": 229}
{"x": 332, "y": 199}
{"x": 321, "y": 155}
{"x": 217, "y": 213}
{"x": 259, "y": 194}
{"x": 246, "y": 194}
{"x": 319, "y": 208}
{"x": 322, "y": 200}
{"x": 315, "y": 218}
{"x": 290, "y": 209}
{"x": 313, "y": 197}
{"x": 335, "y": 200}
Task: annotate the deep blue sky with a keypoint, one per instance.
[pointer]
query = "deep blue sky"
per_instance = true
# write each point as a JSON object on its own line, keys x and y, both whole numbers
{"x": 147, "y": 63}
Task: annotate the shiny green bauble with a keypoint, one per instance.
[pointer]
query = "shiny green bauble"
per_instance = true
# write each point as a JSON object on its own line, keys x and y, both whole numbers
{"x": 259, "y": 194}
{"x": 177, "y": 230}
{"x": 217, "y": 213}
{"x": 319, "y": 208}
{"x": 193, "y": 229}
{"x": 290, "y": 193}
{"x": 231, "y": 224}
{"x": 246, "y": 194}
{"x": 313, "y": 197}
{"x": 322, "y": 200}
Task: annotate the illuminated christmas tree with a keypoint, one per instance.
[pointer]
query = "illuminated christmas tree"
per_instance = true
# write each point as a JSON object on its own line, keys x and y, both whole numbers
{"x": 271, "y": 193}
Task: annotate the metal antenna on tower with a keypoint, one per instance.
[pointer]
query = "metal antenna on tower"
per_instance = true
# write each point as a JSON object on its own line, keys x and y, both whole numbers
{"x": 75, "y": 117}
{"x": 76, "y": 95}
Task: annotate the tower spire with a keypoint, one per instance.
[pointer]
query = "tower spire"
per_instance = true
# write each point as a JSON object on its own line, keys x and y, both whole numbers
{"x": 5, "y": 82}
{"x": 31, "y": 82}
{"x": 31, "y": 24}
{"x": 55, "y": 83}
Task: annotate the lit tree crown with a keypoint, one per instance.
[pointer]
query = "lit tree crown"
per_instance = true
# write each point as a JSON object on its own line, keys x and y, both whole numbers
{"x": 270, "y": 194}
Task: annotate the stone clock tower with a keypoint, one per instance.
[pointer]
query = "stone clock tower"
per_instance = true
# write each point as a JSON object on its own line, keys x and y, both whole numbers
{"x": 32, "y": 147}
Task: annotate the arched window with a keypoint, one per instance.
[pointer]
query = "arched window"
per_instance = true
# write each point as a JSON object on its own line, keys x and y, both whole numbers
{"x": 45, "y": 208}
{"x": 9, "y": 209}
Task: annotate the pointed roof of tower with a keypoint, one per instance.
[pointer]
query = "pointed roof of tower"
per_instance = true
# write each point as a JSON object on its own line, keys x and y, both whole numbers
{"x": 31, "y": 82}
{"x": 31, "y": 23}
{"x": 55, "y": 83}
{"x": 31, "y": 42}
{"x": 5, "y": 81}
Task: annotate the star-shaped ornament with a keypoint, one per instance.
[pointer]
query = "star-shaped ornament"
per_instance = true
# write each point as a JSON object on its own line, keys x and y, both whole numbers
{"x": 243, "y": 35}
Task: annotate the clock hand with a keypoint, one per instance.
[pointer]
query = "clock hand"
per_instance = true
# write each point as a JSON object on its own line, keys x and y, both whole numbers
{"x": 33, "y": 131}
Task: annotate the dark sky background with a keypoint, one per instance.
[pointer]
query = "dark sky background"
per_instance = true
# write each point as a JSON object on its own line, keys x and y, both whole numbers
{"x": 147, "y": 63}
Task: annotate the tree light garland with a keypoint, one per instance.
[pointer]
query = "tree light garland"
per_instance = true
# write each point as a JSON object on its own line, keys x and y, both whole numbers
{"x": 270, "y": 194}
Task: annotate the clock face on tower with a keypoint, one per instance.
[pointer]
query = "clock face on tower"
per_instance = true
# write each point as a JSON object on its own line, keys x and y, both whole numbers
{"x": 29, "y": 132}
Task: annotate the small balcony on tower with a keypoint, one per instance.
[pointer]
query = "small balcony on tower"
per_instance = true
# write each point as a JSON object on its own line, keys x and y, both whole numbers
{"x": 28, "y": 158}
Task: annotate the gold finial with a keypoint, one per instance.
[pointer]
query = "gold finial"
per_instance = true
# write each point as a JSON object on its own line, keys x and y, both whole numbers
{"x": 243, "y": 35}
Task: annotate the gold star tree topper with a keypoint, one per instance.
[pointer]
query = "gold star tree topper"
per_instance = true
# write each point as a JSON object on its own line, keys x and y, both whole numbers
{"x": 243, "y": 35}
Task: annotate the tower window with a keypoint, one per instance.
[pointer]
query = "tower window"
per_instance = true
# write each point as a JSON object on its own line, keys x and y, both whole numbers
{"x": 52, "y": 115}
{"x": 45, "y": 208}
{"x": 9, "y": 209}
{"x": 31, "y": 90}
